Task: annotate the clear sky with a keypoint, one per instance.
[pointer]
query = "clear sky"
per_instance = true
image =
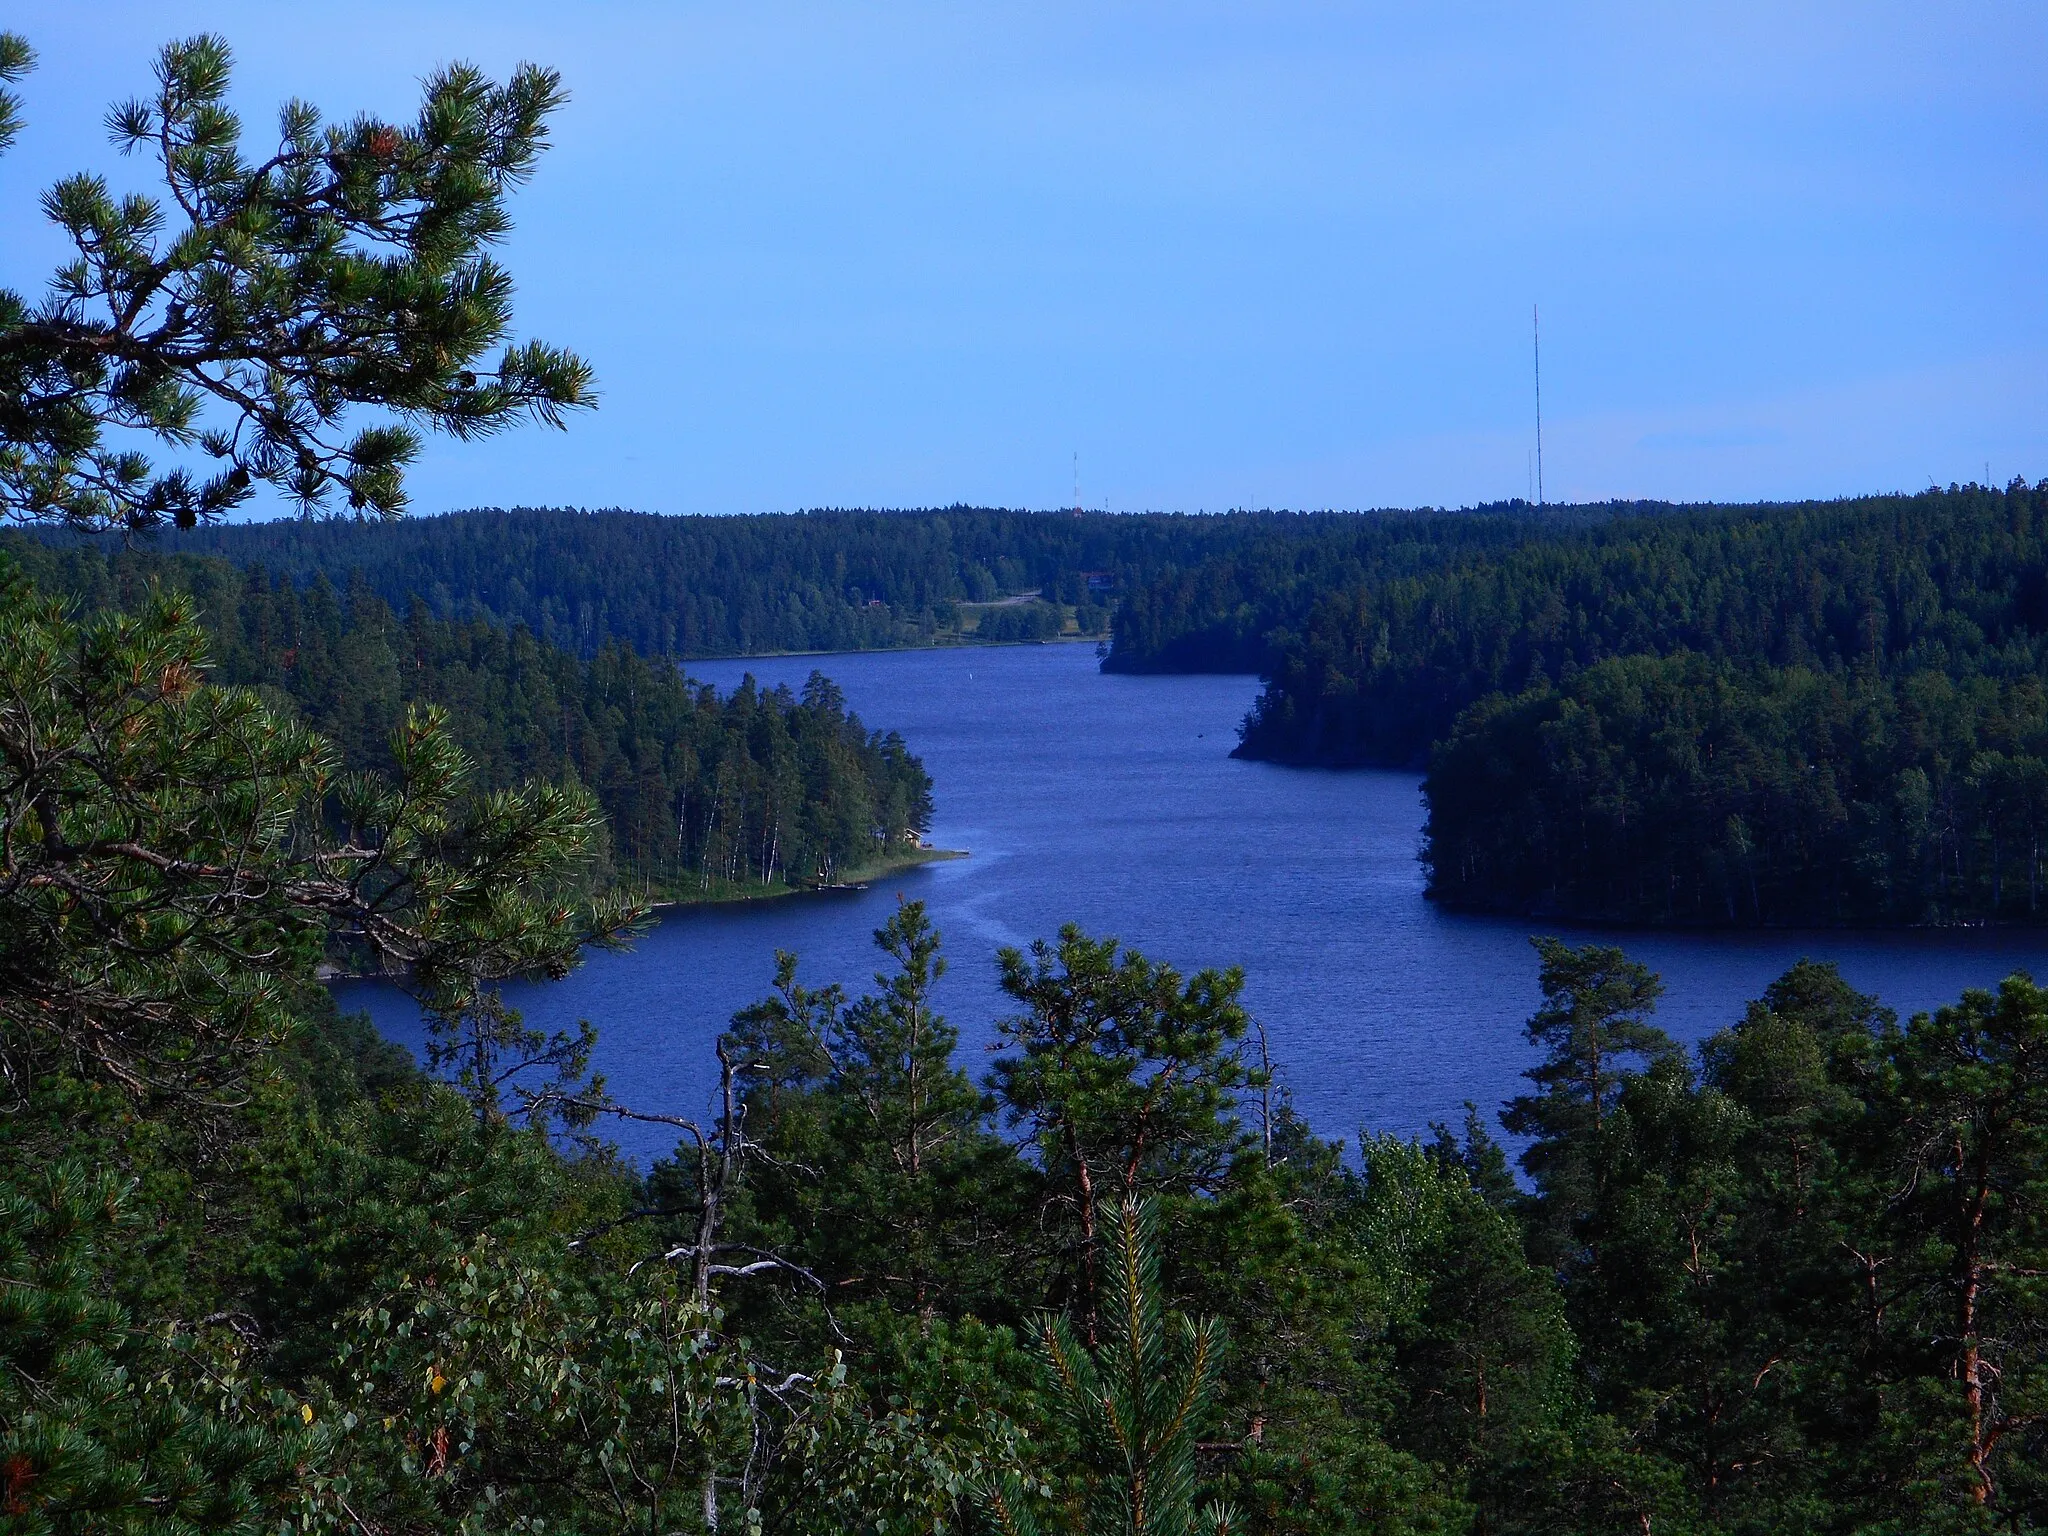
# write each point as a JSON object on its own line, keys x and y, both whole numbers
{"x": 1260, "y": 254}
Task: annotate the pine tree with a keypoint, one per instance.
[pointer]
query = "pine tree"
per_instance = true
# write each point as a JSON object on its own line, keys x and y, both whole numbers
{"x": 1964, "y": 1229}
{"x": 349, "y": 268}
{"x": 910, "y": 1104}
{"x": 1134, "y": 1403}
{"x": 1127, "y": 1077}
{"x": 1593, "y": 1021}
{"x": 110, "y": 1426}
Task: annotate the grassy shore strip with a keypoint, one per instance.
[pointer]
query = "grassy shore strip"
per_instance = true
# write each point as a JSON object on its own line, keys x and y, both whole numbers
{"x": 724, "y": 892}
{"x": 730, "y": 892}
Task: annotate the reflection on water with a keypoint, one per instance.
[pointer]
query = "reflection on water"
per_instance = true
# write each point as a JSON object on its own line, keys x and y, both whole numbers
{"x": 1111, "y": 802}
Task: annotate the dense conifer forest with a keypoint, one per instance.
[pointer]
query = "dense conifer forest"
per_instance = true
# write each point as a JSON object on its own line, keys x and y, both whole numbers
{"x": 1375, "y": 671}
{"x": 758, "y": 791}
{"x": 730, "y": 586}
{"x": 262, "y": 1273}
{"x": 1783, "y": 1283}
{"x": 1825, "y": 712}
{"x": 1817, "y": 712}
{"x": 848, "y": 580}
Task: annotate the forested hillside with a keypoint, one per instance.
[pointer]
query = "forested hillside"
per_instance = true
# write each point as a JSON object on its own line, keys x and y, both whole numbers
{"x": 1862, "y": 742}
{"x": 702, "y": 795}
{"x": 1374, "y": 672}
{"x": 730, "y": 586}
{"x": 1682, "y": 788}
{"x": 1822, "y": 712}
{"x": 1233, "y": 612}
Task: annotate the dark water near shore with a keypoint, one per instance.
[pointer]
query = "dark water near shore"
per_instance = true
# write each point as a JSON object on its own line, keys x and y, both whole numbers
{"x": 1112, "y": 802}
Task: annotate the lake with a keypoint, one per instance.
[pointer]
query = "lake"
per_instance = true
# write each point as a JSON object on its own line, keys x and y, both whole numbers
{"x": 1112, "y": 802}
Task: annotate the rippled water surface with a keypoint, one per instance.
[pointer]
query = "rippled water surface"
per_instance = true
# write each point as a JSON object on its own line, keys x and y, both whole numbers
{"x": 1112, "y": 802}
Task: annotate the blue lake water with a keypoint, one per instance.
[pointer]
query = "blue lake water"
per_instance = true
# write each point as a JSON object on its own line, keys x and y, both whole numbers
{"x": 1112, "y": 802}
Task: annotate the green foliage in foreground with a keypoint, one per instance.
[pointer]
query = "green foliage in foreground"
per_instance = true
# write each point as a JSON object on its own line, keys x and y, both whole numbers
{"x": 1134, "y": 1405}
{"x": 173, "y": 856}
{"x": 257, "y": 1275}
{"x": 1792, "y": 1284}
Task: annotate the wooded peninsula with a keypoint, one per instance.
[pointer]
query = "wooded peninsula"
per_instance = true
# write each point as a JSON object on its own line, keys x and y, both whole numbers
{"x": 757, "y": 793}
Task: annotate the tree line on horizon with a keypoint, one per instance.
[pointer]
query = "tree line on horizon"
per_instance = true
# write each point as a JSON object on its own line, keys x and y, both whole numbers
{"x": 850, "y": 579}
{"x": 717, "y": 586}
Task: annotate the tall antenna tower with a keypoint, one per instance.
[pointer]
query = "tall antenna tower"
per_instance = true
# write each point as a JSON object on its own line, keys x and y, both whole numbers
{"x": 1077, "y": 482}
{"x": 1536, "y": 339}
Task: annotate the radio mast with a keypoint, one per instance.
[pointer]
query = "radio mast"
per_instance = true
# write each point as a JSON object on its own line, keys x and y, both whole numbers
{"x": 1536, "y": 339}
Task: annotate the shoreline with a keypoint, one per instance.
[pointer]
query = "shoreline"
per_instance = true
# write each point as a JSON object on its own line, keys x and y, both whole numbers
{"x": 860, "y": 879}
{"x": 686, "y": 662}
{"x": 852, "y": 880}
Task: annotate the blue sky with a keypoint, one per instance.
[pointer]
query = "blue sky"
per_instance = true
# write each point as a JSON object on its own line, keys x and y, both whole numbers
{"x": 1265, "y": 254}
